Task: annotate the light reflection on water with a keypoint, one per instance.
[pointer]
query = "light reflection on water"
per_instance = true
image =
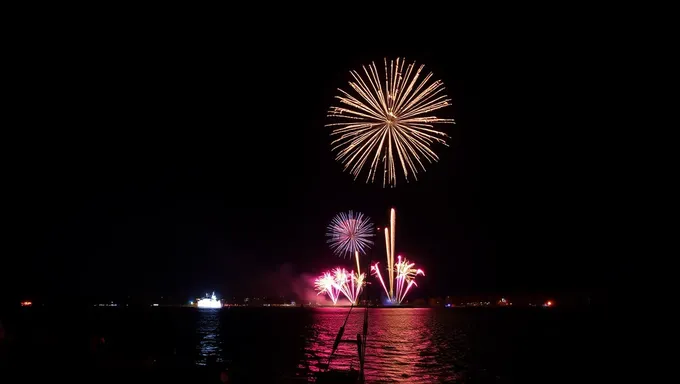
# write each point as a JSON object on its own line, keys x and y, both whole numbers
{"x": 403, "y": 345}
{"x": 208, "y": 331}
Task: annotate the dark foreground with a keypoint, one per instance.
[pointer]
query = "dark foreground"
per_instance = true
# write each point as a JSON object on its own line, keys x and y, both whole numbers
{"x": 267, "y": 345}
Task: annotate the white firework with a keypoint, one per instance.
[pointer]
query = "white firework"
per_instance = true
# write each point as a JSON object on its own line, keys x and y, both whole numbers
{"x": 350, "y": 233}
{"x": 389, "y": 117}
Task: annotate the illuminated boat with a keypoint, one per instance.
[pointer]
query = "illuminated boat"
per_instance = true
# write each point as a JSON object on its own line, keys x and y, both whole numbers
{"x": 209, "y": 302}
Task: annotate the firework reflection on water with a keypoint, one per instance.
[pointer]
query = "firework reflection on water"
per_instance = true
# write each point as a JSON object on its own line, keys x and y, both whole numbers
{"x": 406, "y": 345}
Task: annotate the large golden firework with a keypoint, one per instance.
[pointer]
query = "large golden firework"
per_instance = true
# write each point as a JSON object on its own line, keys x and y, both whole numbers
{"x": 386, "y": 116}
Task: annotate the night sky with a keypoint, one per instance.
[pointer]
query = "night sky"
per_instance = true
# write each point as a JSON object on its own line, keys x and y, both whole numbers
{"x": 160, "y": 165}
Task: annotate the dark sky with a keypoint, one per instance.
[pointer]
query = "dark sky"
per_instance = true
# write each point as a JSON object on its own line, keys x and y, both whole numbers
{"x": 157, "y": 164}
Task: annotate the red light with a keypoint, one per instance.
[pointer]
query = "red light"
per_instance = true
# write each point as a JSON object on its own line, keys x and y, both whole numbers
{"x": 26, "y": 303}
{"x": 549, "y": 303}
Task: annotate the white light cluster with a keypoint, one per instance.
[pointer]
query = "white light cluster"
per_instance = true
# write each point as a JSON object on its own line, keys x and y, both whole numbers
{"x": 211, "y": 302}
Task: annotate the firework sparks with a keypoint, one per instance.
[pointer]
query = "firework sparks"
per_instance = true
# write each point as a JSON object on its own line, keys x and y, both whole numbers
{"x": 350, "y": 234}
{"x": 377, "y": 122}
{"x": 405, "y": 279}
{"x": 406, "y": 275}
{"x": 338, "y": 281}
{"x": 326, "y": 284}
{"x": 349, "y": 283}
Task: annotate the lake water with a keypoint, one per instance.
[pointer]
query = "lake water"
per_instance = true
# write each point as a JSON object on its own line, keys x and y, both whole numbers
{"x": 278, "y": 345}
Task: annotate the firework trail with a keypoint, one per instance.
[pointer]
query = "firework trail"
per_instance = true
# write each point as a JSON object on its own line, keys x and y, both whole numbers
{"x": 378, "y": 122}
{"x": 326, "y": 284}
{"x": 389, "y": 249}
{"x": 400, "y": 276}
{"x": 376, "y": 270}
{"x": 350, "y": 234}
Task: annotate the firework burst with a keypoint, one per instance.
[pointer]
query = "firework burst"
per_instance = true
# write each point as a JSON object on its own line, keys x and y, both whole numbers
{"x": 340, "y": 281}
{"x": 350, "y": 234}
{"x": 386, "y": 116}
{"x": 326, "y": 284}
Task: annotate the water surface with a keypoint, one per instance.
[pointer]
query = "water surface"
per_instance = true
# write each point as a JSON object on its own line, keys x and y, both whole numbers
{"x": 273, "y": 345}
